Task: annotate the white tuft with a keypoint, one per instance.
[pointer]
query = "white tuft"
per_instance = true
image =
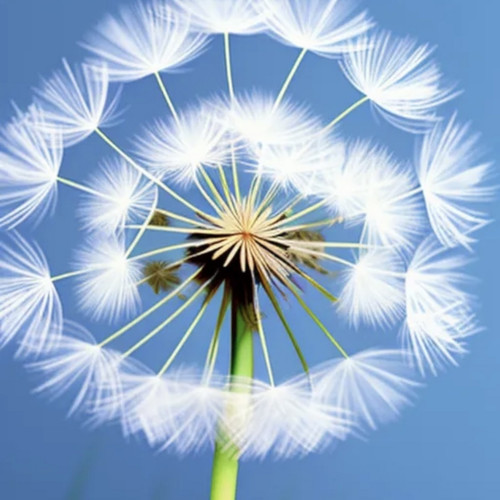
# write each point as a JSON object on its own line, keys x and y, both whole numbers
{"x": 30, "y": 311}
{"x": 324, "y": 27}
{"x": 373, "y": 385}
{"x": 175, "y": 410}
{"x": 254, "y": 118}
{"x": 373, "y": 290}
{"x": 439, "y": 313}
{"x": 75, "y": 102}
{"x": 178, "y": 149}
{"x": 297, "y": 165}
{"x": 224, "y": 16}
{"x": 29, "y": 166}
{"x": 371, "y": 188}
{"x": 125, "y": 197}
{"x": 107, "y": 289}
{"x": 398, "y": 76}
{"x": 453, "y": 178}
{"x": 76, "y": 365}
{"x": 143, "y": 39}
{"x": 284, "y": 420}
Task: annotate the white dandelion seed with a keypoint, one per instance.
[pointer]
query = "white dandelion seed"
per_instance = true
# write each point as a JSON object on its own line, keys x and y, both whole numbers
{"x": 286, "y": 420}
{"x": 173, "y": 410}
{"x": 76, "y": 366}
{"x": 107, "y": 287}
{"x": 371, "y": 188}
{"x": 438, "y": 312}
{"x": 31, "y": 311}
{"x": 255, "y": 119}
{"x": 373, "y": 385}
{"x": 29, "y": 166}
{"x": 123, "y": 197}
{"x": 177, "y": 149}
{"x": 143, "y": 39}
{"x": 75, "y": 102}
{"x": 453, "y": 177}
{"x": 373, "y": 290}
{"x": 224, "y": 16}
{"x": 318, "y": 26}
{"x": 299, "y": 165}
{"x": 398, "y": 77}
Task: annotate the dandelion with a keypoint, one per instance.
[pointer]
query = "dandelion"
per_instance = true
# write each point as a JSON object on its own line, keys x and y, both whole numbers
{"x": 229, "y": 208}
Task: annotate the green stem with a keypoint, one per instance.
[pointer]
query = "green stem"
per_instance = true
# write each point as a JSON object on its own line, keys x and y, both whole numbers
{"x": 225, "y": 464}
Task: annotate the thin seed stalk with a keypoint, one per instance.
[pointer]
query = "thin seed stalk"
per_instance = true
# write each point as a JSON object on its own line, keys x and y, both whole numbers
{"x": 225, "y": 463}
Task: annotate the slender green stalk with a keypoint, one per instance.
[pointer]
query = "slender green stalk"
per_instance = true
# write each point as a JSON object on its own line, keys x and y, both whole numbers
{"x": 289, "y": 78}
{"x": 229, "y": 73}
{"x": 342, "y": 115}
{"x": 167, "y": 97}
{"x": 225, "y": 464}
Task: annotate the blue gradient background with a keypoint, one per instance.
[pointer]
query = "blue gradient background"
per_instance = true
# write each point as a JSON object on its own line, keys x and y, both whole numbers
{"x": 445, "y": 448}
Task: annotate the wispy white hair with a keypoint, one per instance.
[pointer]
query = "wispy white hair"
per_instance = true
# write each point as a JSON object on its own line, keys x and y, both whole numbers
{"x": 177, "y": 149}
{"x": 125, "y": 197}
{"x": 30, "y": 310}
{"x": 144, "y": 38}
{"x": 29, "y": 166}
{"x": 77, "y": 367}
{"x": 373, "y": 385}
{"x": 224, "y": 16}
{"x": 324, "y": 27}
{"x": 439, "y": 315}
{"x": 453, "y": 177}
{"x": 399, "y": 78}
{"x": 107, "y": 289}
{"x": 75, "y": 102}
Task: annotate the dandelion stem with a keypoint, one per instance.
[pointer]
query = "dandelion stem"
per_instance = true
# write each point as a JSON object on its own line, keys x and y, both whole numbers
{"x": 162, "y": 325}
{"x": 323, "y": 328}
{"x": 342, "y": 115}
{"x": 167, "y": 96}
{"x": 150, "y": 311}
{"x": 225, "y": 463}
{"x": 147, "y": 174}
{"x": 289, "y": 78}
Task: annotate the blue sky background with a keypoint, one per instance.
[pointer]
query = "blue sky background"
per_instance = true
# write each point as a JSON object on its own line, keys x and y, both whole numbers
{"x": 445, "y": 448}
